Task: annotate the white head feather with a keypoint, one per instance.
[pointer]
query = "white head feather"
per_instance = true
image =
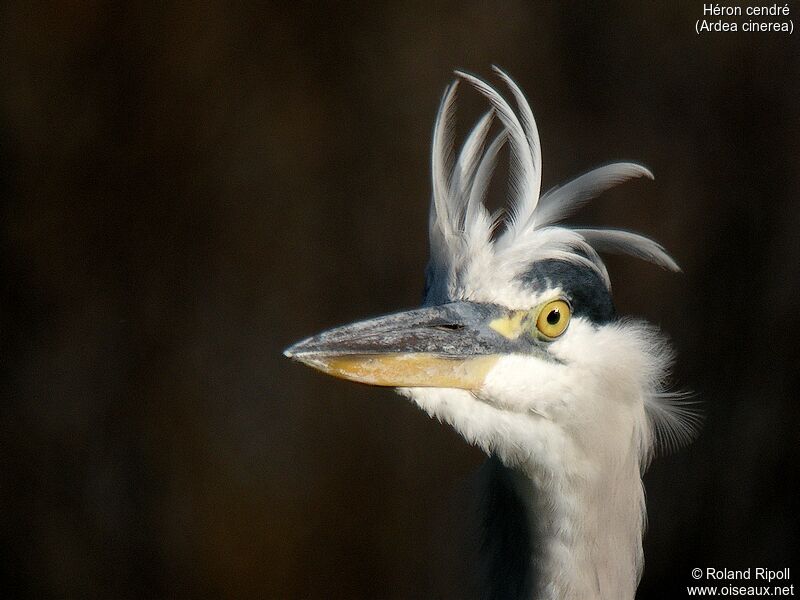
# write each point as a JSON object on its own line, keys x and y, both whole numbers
{"x": 461, "y": 227}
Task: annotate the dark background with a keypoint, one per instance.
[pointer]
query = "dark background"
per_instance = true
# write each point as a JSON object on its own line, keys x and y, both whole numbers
{"x": 188, "y": 190}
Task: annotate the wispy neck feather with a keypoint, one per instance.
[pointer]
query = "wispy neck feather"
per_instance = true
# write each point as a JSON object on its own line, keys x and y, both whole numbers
{"x": 562, "y": 519}
{"x": 590, "y": 534}
{"x": 552, "y": 538}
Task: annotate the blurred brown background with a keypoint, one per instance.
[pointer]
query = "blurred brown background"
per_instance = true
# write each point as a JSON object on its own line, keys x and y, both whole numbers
{"x": 186, "y": 190}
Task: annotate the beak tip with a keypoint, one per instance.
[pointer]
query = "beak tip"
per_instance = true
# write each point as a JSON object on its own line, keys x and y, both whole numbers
{"x": 291, "y": 351}
{"x": 300, "y": 350}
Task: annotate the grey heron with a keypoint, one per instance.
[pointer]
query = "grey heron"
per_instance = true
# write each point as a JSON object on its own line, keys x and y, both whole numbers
{"x": 518, "y": 347}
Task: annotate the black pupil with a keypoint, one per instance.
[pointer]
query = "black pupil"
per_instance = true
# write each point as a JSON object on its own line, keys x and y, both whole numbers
{"x": 553, "y": 317}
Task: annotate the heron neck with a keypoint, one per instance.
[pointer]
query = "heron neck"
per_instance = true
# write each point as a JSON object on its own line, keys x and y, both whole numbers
{"x": 584, "y": 530}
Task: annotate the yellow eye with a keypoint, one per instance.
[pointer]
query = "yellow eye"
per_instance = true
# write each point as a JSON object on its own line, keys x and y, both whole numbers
{"x": 553, "y": 319}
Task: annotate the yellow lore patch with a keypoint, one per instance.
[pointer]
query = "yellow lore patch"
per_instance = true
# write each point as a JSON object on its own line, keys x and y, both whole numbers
{"x": 511, "y": 326}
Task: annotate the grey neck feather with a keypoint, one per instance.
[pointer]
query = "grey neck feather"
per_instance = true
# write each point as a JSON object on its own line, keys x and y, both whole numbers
{"x": 506, "y": 544}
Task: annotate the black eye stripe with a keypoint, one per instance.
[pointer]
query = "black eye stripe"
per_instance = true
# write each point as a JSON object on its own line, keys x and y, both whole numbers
{"x": 586, "y": 291}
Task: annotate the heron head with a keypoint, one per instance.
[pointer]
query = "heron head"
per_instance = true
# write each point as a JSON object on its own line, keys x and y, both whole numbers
{"x": 540, "y": 357}
{"x": 517, "y": 346}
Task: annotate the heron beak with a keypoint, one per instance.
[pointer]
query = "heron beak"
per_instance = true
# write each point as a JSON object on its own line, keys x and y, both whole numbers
{"x": 449, "y": 346}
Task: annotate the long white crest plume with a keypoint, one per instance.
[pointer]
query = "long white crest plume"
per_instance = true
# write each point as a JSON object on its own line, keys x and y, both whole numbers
{"x": 460, "y": 226}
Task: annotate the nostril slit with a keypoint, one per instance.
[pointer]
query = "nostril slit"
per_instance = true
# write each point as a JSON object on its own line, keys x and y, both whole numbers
{"x": 449, "y": 326}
